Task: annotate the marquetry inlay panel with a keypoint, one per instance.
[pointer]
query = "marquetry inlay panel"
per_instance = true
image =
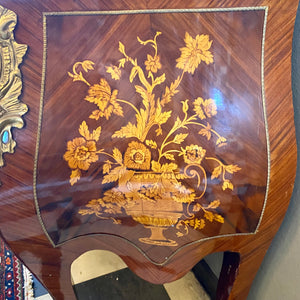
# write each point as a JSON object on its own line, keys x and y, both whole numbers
{"x": 149, "y": 127}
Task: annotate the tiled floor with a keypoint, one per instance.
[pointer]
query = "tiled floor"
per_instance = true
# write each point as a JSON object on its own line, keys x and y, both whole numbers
{"x": 98, "y": 263}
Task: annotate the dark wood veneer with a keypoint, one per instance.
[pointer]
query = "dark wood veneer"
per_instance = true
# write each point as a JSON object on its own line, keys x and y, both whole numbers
{"x": 19, "y": 224}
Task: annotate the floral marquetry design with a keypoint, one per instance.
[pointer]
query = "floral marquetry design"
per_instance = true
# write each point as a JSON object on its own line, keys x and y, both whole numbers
{"x": 153, "y": 63}
{"x": 155, "y": 137}
{"x": 205, "y": 108}
{"x": 105, "y": 99}
{"x": 82, "y": 151}
{"x": 149, "y": 182}
{"x": 193, "y": 154}
{"x": 137, "y": 156}
{"x": 196, "y": 50}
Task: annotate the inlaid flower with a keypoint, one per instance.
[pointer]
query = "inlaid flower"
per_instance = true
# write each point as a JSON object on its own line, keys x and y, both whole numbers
{"x": 195, "y": 51}
{"x": 210, "y": 108}
{"x": 81, "y": 153}
{"x": 137, "y": 156}
{"x": 153, "y": 63}
{"x": 193, "y": 154}
{"x": 114, "y": 196}
{"x": 205, "y": 108}
{"x": 105, "y": 99}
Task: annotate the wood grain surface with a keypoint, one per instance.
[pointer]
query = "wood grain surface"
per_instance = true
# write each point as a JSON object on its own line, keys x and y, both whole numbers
{"x": 237, "y": 42}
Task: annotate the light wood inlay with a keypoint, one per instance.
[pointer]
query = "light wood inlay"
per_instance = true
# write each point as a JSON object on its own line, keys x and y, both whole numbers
{"x": 249, "y": 81}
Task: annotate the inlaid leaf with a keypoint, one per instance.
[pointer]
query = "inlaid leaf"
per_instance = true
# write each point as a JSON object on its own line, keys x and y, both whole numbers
{"x": 127, "y": 131}
{"x": 100, "y": 94}
{"x": 216, "y": 172}
{"x": 196, "y": 223}
{"x": 169, "y": 167}
{"x": 227, "y": 185}
{"x": 159, "y": 80}
{"x": 117, "y": 155}
{"x": 155, "y": 166}
{"x": 139, "y": 89}
{"x": 96, "y": 114}
{"x": 179, "y": 138}
{"x": 84, "y": 212}
{"x": 214, "y": 204}
{"x": 84, "y": 130}
{"x": 179, "y": 234}
{"x": 122, "y": 62}
{"x": 151, "y": 144}
{"x": 158, "y": 131}
{"x": 108, "y": 111}
{"x": 87, "y": 65}
{"x": 177, "y": 123}
{"x": 113, "y": 175}
{"x": 147, "y": 97}
{"x": 197, "y": 207}
{"x": 221, "y": 141}
{"x": 170, "y": 92}
{"x": 169, "y": 156}
{"x": 121, "y": 48}
{"x": 114, "y": 71}
{"x": 96, "y": 134}
{"x": 218, "y": 218}
{"x": 141, "y": 121}
{"x": 166, "y": 97}
{"x": 133, "y": 73}
{"x": 107, "y": 167}
{"x": 209, "y": 216}
{"x": 199, "y": 224}
{"x": 232, "y": 168}
{"x": 161, "y": 117}
{"x": 75, "y": 176}
{"x": 117, "y": 109}
{"x": 206, "y": 131}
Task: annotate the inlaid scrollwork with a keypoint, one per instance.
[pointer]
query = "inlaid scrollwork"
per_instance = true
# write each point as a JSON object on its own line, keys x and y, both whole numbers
{"x": 11, "y": 56}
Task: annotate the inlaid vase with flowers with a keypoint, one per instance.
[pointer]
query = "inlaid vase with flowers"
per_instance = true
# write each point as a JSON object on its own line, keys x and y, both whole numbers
{"x": 150, "y": 176}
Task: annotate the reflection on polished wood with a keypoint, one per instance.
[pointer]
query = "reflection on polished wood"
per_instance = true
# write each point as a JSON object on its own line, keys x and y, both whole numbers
{"x": 159, "y": 142}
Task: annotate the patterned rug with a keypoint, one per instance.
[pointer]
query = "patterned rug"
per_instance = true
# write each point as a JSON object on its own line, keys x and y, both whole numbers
{"x": 15, "y": 279}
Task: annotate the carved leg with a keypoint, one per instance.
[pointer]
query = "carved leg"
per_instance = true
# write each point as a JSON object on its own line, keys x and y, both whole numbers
{"x": 237, "y": 274}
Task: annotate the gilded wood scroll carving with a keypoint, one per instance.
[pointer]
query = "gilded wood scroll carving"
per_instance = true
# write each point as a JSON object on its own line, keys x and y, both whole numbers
{"x": 11, "y": 56}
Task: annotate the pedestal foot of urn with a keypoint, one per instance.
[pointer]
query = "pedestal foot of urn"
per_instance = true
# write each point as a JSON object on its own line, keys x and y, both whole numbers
{"x": 157, "y": 237}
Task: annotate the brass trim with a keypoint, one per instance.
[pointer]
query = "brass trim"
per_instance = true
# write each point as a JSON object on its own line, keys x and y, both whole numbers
{"x": 199, "y": 10}
{"x": 11, "y": 56}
